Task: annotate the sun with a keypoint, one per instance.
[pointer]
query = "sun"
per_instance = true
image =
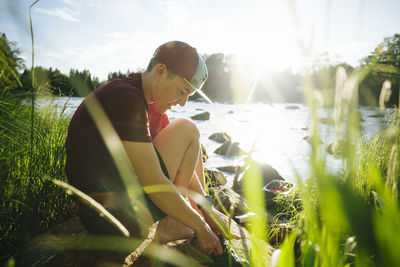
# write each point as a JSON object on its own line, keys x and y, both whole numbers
{"x": 267, "y": 50}
{"x": 256, "y": 57}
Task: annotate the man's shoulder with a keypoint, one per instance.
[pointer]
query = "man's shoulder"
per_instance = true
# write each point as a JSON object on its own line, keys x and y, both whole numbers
{"x": 122, "y": 88}
{"x": 122, "y": 85}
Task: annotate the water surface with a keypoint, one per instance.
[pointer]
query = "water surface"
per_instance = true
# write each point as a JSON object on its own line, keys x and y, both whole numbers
{"x": 277, "y": 131}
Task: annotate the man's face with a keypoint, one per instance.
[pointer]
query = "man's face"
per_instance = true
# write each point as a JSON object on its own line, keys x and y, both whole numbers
{"x": 172, "y": 92}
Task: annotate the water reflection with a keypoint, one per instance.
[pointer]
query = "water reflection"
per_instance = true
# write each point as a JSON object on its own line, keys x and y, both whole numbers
{"x": 278, "y": 131}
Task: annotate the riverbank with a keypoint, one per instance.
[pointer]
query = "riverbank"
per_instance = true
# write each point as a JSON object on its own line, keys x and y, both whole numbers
{"x": 277, "y": 130}
{"x": 334, "y": 219}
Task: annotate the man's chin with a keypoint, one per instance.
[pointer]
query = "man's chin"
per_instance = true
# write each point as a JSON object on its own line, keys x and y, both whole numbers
{"x": 164, "y": 110}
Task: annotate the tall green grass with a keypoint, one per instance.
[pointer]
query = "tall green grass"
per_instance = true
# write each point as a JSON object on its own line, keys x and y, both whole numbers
{"x": 350, "y": 217}
{"x": 337, "y": 219}
{"x": 30, "y": 204}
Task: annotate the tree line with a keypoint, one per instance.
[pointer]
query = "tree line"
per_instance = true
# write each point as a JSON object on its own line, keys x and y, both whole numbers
{"x": 226, "y": 82}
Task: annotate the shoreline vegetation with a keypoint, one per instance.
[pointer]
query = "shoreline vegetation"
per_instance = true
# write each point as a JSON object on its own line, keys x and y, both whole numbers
{"x": 350, "y": 218}
{"x": 226, "y": 83}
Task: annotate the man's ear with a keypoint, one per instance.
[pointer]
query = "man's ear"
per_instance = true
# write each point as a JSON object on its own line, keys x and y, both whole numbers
{"x": 160, "y": 70}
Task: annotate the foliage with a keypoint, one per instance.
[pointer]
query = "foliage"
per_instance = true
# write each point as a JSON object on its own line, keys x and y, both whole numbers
{"x": 10, "y": 63}
{"x": 347, "y": 217}
{"x": 117, "y": 74}
{"x": 53, "y": 81}
{"x": 388, "y": 52}
{"x": 217, "y": 86}
{"x": 384, "y": 62}
{"x": 82, "y": 79}
{"x": 30, "y": 204}
{"x": 343, "y": 219}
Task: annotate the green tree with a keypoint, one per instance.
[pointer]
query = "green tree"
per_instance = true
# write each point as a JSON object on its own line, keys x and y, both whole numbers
{"x": 82, "y": 82}
{"x": 217, "y": 86}
{"x": 119, "y": 74}
{"x": 10, "y": 64}
{"x": 387, "y": 53}
{"x": 43, "y": 80}
{"x": 60, "y": 82}
{"x": 384, "y": 63}
{"x": 115, "y": 75}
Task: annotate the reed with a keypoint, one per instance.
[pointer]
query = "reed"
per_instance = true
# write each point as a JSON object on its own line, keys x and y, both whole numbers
{"x": 337, "y": 219}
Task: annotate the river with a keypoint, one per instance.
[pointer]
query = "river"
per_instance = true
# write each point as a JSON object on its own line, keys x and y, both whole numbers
{"x": 277, "y": 129}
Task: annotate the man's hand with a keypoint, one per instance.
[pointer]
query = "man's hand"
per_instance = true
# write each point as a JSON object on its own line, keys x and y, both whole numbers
{"x": 216, "y": 220}
{"x": 208, "y": 242}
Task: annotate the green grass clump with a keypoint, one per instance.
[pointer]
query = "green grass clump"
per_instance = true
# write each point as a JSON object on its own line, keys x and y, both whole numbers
{"x": 350, "y": 218}
{"x": 29, "y": 202}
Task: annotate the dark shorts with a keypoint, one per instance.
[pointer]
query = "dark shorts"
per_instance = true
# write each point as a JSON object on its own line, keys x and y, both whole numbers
{"x": 96, "y": 224}
{"x": 155, "y": 211}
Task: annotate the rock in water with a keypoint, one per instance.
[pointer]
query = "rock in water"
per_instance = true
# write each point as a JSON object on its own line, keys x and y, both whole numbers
{"x": 231, "y": 169}
{"x": 378, "y": 115}
{"x": 201, "y": 116}
{"x": 337, "y": 148}
{"x": 216, "y": 178}
{"x": 267, "y": 171}
{"x": 220, "y": 137}
{"x": 229, "y": 199}
{"x": 229, "y": 149}
{"x": 294, "y": 107}
{"x": 328, "y": 121}
{"x": 309, "y": 139}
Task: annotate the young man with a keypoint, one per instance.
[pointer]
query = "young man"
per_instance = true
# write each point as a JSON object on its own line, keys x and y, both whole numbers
{"x": 169, "y": 161}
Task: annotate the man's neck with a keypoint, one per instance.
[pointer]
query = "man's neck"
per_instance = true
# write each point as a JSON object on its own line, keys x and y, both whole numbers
{"x": 147, "y": 87}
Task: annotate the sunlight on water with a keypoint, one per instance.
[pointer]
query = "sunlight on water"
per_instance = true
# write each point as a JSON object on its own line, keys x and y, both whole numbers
{"x": 278, "y": 130}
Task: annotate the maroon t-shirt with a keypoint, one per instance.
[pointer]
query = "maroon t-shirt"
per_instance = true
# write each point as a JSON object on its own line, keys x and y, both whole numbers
{"x": 89, "y": 165}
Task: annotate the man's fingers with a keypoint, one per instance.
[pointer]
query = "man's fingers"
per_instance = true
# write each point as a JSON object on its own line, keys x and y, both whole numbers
{"x": 217, "y": 249}
{"x": 220, "y": 250}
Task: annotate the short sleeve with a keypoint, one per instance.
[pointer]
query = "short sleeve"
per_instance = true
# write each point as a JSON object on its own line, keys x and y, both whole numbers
{"x": 127, "y": 110}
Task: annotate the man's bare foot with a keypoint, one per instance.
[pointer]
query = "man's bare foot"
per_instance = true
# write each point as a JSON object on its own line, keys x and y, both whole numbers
{"x": 170, "y": 229}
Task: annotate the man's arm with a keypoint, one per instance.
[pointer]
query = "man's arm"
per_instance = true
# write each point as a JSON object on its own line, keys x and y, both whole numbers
{"x": 146, "y": 165}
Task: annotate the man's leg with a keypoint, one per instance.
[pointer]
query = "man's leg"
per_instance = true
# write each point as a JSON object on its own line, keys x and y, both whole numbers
{"x": 179, "y": 147}
{"x": 197, "y": 183}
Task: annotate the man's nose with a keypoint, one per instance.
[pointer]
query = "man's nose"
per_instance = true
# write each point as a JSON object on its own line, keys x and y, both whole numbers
{"x": 182, "y": 100}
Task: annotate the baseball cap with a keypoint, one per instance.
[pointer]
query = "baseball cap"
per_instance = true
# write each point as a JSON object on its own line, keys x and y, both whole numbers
{"x": 184, "y": 61}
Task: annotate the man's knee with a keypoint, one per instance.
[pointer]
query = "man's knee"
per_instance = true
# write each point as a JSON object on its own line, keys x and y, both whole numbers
{"x": 187, "y": 127}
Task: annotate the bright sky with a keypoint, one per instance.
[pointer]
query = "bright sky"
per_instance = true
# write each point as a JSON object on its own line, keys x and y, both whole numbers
{"x": 112, "y": 35}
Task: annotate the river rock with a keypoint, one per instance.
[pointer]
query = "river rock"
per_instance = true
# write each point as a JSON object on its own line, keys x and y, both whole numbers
{"x": 215, "y": 178}
{"x": 294, "y": 107}
{"x": 231, "y": 169}
{"x": 220, "y": 137}
{"x": 201, "y": 116}
{"x": 328, "y": 121}
{"x": 229, "y": 199}
{"x": 377, "y": 115}
{"x": 268, "y": 174}
{"x": 309, "y": 139}
{"x": 337, "y": 148}
{"x": 229, "y": 149}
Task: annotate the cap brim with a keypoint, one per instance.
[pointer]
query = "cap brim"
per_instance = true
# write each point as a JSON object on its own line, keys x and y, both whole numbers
{"x": 203, "y": 95}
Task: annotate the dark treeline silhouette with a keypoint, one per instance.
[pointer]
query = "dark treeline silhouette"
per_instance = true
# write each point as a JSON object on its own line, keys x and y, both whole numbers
{"x": 227, "y": 82}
